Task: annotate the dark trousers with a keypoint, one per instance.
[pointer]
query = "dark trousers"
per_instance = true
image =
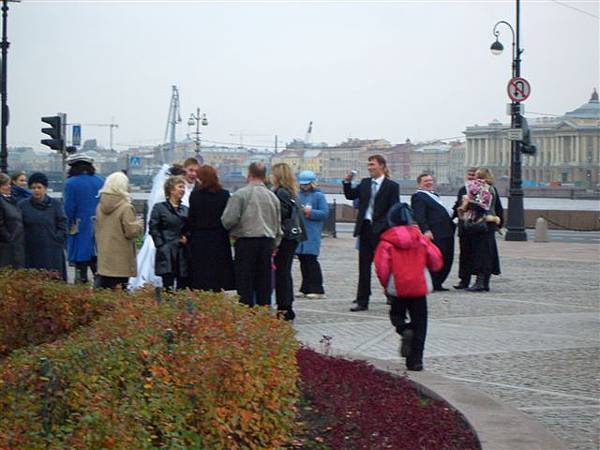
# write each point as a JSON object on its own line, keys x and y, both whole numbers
{"x": 465, "y": 263}
{"x": 446, "y": 246}
{"x": 253, "y": 270}
{"x": 312, "y": 277}
{"x": 113, "y": 282}
{"x": 366, "y": 251}
{"x": 169, "y": 282}
{"x": 81, "y": 270}
{"x": 417, "y": 310}
{"x": 284, "y": 284}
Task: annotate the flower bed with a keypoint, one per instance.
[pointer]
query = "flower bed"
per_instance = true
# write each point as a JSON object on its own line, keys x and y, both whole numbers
{"x": 197, "y": 372}
{"x": 36, "y": 307}
{"x": 358, "y": 407}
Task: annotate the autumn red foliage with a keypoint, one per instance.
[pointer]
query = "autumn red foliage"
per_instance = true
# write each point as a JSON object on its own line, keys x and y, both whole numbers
{"x": 360, "y": 407}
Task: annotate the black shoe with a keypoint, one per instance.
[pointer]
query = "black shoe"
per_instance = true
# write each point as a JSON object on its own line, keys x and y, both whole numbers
{"x": 461, "y": 285}
{"x": 406, "y": 346}
{"x": 478, "y": 286}
{"x": 358, "y": 308}
{"x": 415, "y": 367}
{"x": 440, "y": 289}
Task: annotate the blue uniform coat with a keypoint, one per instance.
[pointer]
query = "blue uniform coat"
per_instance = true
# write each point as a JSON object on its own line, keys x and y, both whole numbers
{"x": 314, "y": 223}
{"x": 81, "y": 200}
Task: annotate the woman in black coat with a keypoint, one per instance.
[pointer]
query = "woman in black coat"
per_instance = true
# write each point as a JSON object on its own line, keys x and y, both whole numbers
{"x": 167, "y": 221}
{"x": 45, "y": 228}
{"x": 12, "y": 247}
{"x": 210, "y": 249}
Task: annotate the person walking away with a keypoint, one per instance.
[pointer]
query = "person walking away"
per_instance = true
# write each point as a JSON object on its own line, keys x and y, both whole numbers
{"x": 12, "y": 246}
{"x": 45, "y": 227}
{"x": 315, "y": 210}
{"x": 376, "y": 195}
{"x": 435, "y": 221}
{"x": 483, "y": 216}
{"x": 80, "y": 202}
{"x": 116, "y": 230}
{"x": 253, "y": 218}
{"x": 285, "y": 188}
{"x": 465, "y": 261}
{"x": 167, "y": 221}
{"x": 18, "y": 187}
{"x": 403, "y": 260}
{"x": 210, "y": 249}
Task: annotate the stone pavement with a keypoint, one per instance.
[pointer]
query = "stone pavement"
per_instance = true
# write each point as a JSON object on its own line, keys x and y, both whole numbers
{"x": 533, "y": 342}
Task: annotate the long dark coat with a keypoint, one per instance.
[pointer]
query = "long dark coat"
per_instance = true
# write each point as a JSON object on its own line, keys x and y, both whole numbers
{"x": 12, "y": 247}
{"x": 166, "y": 228}
{"x": 211, "y": 260}
{"x": 45, "y": 235}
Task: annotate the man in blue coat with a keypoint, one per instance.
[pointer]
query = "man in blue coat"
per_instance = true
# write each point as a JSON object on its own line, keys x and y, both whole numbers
{"x": 316, "y": 211}
{"x": 80, "y": 201}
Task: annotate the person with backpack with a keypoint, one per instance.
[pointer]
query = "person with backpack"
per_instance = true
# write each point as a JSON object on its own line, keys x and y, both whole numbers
{"x": 403, "y": 260}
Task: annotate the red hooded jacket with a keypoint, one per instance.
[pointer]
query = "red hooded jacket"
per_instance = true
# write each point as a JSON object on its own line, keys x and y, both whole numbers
{"x": 401, "y": 257}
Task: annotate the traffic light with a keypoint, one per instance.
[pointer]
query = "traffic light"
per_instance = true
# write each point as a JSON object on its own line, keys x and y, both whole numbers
{"x": 55, "y": 132}
{"x": 525, "y": 145}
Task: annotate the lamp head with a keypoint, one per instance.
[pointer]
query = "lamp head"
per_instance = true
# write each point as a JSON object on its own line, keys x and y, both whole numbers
{"x": 204, "y": 120}
{"x": 191, "y": 121}
{"x": 496, "y": 47}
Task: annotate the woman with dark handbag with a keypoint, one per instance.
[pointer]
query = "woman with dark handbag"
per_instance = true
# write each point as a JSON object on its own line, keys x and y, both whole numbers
{"x": 167, "y": 221}
{"x": 286, "y": 188}
{"x": 482, "y": 216}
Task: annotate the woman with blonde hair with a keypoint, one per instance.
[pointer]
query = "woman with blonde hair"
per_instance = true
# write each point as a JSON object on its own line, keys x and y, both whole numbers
{"x": 116, "y": 230}
{"x": 285, "y": 188}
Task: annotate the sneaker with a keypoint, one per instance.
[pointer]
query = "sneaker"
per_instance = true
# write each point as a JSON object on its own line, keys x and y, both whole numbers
{"x": 415, "y": 367}
{"x": 316, "y": 296}
{"x": 406, "y": 346}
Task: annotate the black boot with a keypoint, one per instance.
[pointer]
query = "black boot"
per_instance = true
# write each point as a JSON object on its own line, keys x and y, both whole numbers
{"x": 486, "y": 282}
{"x": 478, "y": 286}
{"x": 464, "y": 283}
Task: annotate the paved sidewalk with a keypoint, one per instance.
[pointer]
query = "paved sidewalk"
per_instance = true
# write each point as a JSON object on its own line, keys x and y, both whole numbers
{"x": 533, "y": 342}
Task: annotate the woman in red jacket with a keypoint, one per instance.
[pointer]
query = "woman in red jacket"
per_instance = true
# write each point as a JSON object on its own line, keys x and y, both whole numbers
{"x": 402, "y": 260}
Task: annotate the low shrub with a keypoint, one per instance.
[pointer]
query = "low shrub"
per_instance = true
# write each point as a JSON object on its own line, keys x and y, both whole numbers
{"x": 198, "y": 371}
{"x": 36, "y": 307}
{"x": 359, "y": 407}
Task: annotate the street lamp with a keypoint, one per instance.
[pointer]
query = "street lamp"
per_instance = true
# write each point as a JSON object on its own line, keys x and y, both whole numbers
{"x": 516, "y": 217}
{"x": 4, "y": 107}
{"x": 197, "y": 120}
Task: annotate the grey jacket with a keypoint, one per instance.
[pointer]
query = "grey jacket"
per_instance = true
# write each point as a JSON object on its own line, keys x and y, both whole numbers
{"x": 253, "y": 211}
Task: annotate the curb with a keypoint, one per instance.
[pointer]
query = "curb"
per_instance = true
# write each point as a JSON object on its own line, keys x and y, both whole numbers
{"x": 497, "y": 426}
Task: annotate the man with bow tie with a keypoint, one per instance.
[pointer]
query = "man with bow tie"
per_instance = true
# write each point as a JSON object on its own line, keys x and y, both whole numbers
{"x": 435, "y": 221}
{"x": 376, "y": 195}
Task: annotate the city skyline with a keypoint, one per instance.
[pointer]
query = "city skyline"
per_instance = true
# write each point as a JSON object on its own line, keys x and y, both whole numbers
{"x": 386, "y": 70}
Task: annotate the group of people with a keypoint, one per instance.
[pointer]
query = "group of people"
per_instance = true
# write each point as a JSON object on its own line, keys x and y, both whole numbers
{"x": 413, "y": 246}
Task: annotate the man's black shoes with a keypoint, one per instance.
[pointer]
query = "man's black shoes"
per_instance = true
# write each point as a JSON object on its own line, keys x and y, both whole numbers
{"x": 358, "y": 308}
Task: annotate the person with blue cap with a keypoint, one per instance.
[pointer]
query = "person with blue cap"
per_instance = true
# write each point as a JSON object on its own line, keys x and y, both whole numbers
{"x": 316, "y": 211}
{"x": 403, "y": 260}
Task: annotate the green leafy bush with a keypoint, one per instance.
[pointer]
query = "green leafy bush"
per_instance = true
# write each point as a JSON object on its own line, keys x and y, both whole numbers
{"x": 198, "y": 371}
{"x": 36, "y": 307}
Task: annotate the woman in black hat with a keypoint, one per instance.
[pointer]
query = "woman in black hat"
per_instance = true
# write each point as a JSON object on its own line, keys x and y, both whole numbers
{"x": 45, "y": 228}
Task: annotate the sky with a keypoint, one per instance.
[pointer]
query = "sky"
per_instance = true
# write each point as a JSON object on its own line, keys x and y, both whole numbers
{"x": 380, "y": 69}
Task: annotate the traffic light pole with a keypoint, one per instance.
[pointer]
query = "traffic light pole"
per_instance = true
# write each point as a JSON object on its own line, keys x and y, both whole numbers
{"x": 4, "y": 44}
{"x": 516, "y": 216}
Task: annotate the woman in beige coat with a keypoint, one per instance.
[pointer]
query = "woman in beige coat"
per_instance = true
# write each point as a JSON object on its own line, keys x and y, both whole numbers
{"x": 116, "y": 230}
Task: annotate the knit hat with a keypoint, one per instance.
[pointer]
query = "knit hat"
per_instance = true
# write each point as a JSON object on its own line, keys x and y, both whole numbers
{"x": 38, "y": 177}
{"x": 400, "y": 214}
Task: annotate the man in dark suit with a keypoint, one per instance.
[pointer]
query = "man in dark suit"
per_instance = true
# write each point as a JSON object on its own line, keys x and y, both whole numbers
{"x": 376, "y": 195}
{"x": 435, "y": 222}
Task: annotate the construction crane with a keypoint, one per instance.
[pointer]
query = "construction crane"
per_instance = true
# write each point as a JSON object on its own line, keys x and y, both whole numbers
{"x": 172, "y": 121}
{"x": 111, "y": 126}
{"x": 308, "y": 133}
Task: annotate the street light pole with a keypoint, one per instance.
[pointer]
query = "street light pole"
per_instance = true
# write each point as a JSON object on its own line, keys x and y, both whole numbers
{"x": 197, "y": 120}
{"x": 4, "y": 107}
{"x": 516, "y": 217}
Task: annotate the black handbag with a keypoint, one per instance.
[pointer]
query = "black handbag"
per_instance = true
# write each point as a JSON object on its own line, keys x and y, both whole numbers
{"x": 293, "y": 227}
{"x": 477, "y": 227}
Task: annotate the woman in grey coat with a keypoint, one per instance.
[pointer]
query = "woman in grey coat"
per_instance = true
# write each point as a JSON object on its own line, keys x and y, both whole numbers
{"x": 45, "y": 226}
{"x": 12, "y": 250}
{"x": 167, "y": 220}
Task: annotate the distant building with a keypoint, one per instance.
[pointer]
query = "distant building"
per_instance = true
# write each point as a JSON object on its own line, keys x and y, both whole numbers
{"x": 433, "y": 158}
{"x": 568, "y": 148}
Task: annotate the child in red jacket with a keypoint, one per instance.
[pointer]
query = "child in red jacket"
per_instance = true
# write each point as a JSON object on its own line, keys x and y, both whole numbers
{"x": 401, "y": 262}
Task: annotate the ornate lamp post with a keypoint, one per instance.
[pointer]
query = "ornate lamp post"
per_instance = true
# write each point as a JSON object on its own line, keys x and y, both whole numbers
{"x": 4, "y": 111}
{"x": 516, "y": 218}
{"x": 197, "y": 120}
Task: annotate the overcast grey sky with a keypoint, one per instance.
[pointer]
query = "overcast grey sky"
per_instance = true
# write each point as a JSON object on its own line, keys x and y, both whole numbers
{"x": 393, "y": 70}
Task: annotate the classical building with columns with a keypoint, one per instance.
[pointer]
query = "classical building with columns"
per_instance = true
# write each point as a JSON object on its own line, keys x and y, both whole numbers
{"x": 568, "y": 148}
